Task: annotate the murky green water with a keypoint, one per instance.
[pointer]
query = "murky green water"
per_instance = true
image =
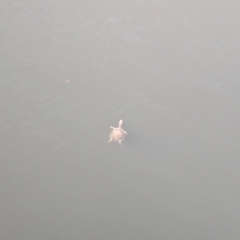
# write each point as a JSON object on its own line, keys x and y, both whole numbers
{"x": 70, "y": 70}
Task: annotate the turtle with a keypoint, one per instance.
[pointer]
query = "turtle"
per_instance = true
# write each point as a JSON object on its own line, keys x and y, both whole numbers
{"x": 117, "y": 134}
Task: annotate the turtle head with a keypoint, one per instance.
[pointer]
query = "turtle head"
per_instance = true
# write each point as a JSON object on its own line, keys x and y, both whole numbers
{"x": 120, "y": 123}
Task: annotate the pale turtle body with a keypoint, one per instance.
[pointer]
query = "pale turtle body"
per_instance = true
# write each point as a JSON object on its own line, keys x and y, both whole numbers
{"x": 117, "y": 134}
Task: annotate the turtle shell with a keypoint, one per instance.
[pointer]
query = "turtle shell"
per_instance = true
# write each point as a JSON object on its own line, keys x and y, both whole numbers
{"x": 117, "y": 134}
